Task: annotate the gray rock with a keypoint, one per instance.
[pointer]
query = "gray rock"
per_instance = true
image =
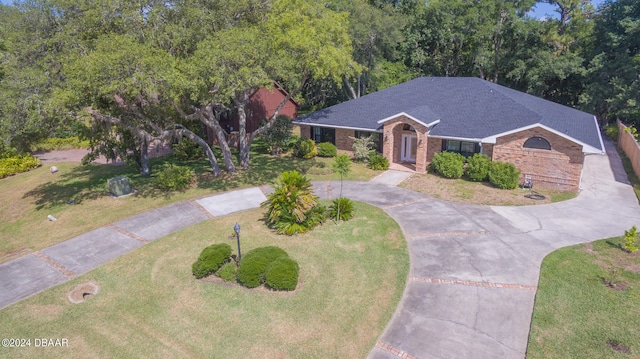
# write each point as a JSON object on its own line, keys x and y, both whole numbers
{"x": 119, "y": 186}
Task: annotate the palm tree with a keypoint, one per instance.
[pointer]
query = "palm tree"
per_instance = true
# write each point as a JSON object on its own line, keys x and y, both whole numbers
{"x": 342, "y": 166}
{"x": 292, "y": 207}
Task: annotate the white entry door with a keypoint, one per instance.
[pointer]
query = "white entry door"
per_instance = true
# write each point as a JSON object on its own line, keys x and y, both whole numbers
{"x": 409, "y": 147}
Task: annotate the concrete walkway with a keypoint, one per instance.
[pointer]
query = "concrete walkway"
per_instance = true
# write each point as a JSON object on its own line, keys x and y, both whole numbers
{"x": 474, "y": 269}
{"x": 35, "y": 272}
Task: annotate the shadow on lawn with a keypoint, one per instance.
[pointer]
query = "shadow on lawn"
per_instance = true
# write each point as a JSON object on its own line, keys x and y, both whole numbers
{"x": 264, "y": 169}
{"x": 616, "y": 245}
{"x": 89, "y": 182}
{"x": 77, "y": 184}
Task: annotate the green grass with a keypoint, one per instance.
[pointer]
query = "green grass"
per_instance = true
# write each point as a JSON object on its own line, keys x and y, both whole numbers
{"x": 29, "y": 197}
{"x": 352, "y": 276}
{"x": 559, "y": 196}
{"x": 576, "y": 314}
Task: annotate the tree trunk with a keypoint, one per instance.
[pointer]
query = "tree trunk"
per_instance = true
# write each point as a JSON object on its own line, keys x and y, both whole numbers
{"x": 351, "y": 92}
{"x": 145, "y": 168}
{"x": 210, "y": 120}
{"x": 243, "y": 142}
{"x": 215, "y": 168}
{"x": 226, "y": 151}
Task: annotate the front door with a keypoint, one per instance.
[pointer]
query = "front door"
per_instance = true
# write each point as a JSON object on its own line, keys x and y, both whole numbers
{"x": 409, "y": 147}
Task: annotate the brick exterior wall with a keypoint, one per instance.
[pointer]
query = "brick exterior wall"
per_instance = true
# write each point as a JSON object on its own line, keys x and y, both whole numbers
{"x": 434, "y": 146}
{"x": 559, "y": 168}
{"x": 393, "y": 141}
{"x": 487, "y": 149}
{"x": 305, "y": 131}
{"x": 343, "y": 142}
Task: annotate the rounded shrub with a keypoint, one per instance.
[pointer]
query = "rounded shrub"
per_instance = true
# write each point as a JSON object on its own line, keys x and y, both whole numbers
{"x": 252, "y": 267}
{"x": 211, "y": 259}
{"x": 478, "y": 167}
{"x": 378, "y": 162}
{"x": 448, "y": 164}
{"x": 227, "y": 272}
{"x": 345, "y": 205}
{"x": 282, "y": 274}
{"x": 504, "y": 175}
{"x": 305, "y": 148}
{"x": 327, "y": 149}
{"x": 172, "y": 177}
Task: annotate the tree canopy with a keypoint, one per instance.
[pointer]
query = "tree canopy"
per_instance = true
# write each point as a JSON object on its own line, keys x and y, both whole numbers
{"x": 130, "y": 73}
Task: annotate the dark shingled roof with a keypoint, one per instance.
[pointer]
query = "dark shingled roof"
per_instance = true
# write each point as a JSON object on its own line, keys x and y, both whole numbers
{"x": 467, "y": 107}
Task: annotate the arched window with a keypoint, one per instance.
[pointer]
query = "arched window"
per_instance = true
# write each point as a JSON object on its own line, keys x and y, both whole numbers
{"x": 408, "y": 127}
{"x": 538, "y": 143}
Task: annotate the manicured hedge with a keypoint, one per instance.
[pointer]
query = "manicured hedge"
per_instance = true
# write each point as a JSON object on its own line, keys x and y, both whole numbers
{"x": 55, "y": 143}
{"x": 327, "y": 149}
{"x": 12, "y": 164}
{"x": 504, "y": 175}
{"x": 227, "y": 272}
{"x": 448, "y": 164}
{"x": 252, "y": 267}
{"x": 282, "y": 274}
{"x": 305, "y": 148}
{"x": 211, "y": 259}
{"x": 478, "y": 167}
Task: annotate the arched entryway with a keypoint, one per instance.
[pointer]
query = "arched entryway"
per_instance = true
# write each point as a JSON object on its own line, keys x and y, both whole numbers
{"x": 405, "y": 142}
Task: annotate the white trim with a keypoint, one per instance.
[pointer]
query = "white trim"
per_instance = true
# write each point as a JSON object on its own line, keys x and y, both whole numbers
{"x": 604, "y": 151}
{"x": 464, "y": 139}
{"x": 334, "y": 126}
{"x": 585, "y": 147}
{"x": 409, "y": 116}
{"x": 429, "y": 125}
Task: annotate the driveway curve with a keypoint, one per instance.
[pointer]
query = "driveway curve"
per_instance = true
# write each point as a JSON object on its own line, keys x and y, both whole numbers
{"x": 474, "y": 269}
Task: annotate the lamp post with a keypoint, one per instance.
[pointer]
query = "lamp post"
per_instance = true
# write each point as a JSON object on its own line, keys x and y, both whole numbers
{"x": 236, "y": 229}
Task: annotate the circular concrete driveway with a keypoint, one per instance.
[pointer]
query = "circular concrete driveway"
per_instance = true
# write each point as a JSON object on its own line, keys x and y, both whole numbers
{"x": 474, "y": 269}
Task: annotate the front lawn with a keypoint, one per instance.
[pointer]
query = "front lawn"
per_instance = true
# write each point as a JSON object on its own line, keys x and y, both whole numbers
{"x": 587, "y": 303}
{"x": 28, "y": 198}
{"x": 465, "y": 191}
{"x": 352, "y": 276}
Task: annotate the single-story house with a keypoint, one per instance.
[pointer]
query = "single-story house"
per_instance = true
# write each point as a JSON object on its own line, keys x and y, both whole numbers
{"x": 412, "y": 121}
